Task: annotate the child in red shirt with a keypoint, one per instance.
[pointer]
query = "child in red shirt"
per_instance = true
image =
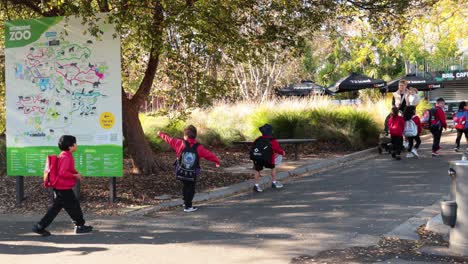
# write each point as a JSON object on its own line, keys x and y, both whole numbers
{"x": 267, "y": 133}
{"x": 63, "y": 190}
{"x": 181, "y": 146}
{"x": 396, "y": 125}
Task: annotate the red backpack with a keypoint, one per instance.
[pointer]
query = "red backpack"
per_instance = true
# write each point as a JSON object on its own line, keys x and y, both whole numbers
{"x": 459, "y": 120}
{"x": 51, "y": 171}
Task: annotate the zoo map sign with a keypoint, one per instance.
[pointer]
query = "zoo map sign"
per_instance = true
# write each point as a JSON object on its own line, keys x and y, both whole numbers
{"x": 61, "y": 80}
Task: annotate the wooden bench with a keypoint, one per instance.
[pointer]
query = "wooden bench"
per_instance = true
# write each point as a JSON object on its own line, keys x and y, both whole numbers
{"x": 296, "y": 142}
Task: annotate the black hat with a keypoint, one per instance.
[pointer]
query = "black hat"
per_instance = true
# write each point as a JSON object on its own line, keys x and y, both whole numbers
{"x": 267, "y": 130}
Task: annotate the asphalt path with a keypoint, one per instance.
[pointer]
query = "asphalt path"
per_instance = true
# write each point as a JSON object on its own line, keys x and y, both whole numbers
{"x": 342, "y": 207}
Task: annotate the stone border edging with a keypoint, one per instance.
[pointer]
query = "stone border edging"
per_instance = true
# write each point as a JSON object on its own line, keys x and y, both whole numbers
{"x": 245, "y": 186}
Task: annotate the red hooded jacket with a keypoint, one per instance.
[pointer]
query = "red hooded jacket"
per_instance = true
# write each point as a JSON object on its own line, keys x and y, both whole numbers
{"x": 396, "y": 125}
{"x": 440, "y": 116}
{"x": 66, "y": 170}
{"x": 179, "y": 145}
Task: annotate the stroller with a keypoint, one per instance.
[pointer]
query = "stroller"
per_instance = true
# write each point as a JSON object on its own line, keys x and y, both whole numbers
{"x": 385, "y": 142}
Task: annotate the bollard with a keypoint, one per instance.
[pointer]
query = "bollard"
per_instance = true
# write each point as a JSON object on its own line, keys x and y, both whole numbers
{"x": 449, "y": 212}
{"x": 458, "y": 243}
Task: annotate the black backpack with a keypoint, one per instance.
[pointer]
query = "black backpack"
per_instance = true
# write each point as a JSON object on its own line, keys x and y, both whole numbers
{"x": 261, "y": 150}
{"x": 187, "y": 164}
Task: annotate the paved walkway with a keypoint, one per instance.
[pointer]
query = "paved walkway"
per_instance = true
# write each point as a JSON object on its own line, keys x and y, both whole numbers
{"x": 338, "y": 208}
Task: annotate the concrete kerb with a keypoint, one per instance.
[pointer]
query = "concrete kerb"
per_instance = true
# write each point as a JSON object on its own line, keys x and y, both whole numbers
{"x": 247, "y": 185}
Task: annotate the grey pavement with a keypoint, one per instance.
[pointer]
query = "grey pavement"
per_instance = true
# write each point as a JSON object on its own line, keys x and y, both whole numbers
{"x": 353, "y": 205}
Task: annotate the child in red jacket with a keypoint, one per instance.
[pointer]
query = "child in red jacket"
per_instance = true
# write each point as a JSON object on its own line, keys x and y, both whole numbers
{"x": 188, "y": 149}
{"x": 437, "y": 125}
{"x": 396, "y": 125}
{"x": 267, "y": 133}
{"x": 63, "y": 190}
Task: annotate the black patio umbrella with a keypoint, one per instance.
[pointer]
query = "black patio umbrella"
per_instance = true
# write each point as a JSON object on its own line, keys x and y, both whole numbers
{"x": 354, "y": 82}
{"x": 304, "y": 88}
{"x": 420, "y": 83}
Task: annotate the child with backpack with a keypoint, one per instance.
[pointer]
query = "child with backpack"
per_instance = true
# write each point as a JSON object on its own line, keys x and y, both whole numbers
{"x": 63, "y": 190}
{"x": 413, "y": 129}
{"x": 187, "y": 165}
{"x": 263, "y": 154}
{"x": 460, "y": 123}
{"x": 396, "y": 125}
{"x": 438, "y": 122}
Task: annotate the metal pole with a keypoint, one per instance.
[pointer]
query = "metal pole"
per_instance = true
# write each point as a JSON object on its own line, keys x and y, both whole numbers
{"x": 112, "y": 189}
{"x": 19, "y": 189}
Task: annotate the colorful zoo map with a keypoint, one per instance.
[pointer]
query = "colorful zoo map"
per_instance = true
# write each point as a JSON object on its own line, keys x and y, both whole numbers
{"x": 60, "y": 80}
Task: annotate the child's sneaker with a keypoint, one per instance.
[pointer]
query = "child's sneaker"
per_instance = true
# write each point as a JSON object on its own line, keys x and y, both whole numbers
{"x": 435, "y": 154}
{"x": 257, "y": 188}
{"x": 83, "y": 229}
{"x": 398, "y": 157}
{"x": 41, "y": 231}
{"x": 456, "y": 149}
{"x": 190, "y": 209}
{"x": 410, "y": 155}
{"x": 276, "y": 185}
{"x": 415, "y": 152}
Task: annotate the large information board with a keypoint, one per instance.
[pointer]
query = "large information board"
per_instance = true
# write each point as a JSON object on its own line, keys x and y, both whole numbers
{"x": 60, "y": 80}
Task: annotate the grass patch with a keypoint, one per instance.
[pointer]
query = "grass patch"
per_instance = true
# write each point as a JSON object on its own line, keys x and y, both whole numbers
{"x": 315, "y": 117}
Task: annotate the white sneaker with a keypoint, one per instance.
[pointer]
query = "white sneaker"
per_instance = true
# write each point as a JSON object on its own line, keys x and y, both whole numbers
{"x": 190, "y": 209}
{"x": 257, "y": 188}
{"x": 415, "y": 152}
{"x": 410, "y": 155}
{"x": 277, "y": 185}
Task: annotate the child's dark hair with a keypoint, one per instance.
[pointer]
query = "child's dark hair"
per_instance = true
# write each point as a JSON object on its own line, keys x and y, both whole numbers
{"x": 66, "y": 141}
{"x": 190, "y": 131}
{"x": 395, "y": 111}
{"x": 409, "y": 112}
{"x": 440, "y": 99}
{"x": 461, "y": 106}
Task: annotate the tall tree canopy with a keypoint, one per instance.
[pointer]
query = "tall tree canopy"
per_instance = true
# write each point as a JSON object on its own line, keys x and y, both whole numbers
{"x": 186, "y": 49}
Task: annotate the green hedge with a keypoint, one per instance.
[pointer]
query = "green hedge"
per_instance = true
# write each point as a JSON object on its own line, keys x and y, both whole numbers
{"x": 221, "y": 125}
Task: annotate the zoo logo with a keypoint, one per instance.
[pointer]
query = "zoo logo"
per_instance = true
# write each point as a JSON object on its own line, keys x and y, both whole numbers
{"x": 20, "y": 35}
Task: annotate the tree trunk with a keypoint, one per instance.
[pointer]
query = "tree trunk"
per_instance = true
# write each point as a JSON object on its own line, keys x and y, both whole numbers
{"x": 138, "y": 147}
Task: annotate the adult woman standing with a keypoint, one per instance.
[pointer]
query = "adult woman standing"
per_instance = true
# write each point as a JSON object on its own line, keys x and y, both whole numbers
{"x": 400, "y": 98}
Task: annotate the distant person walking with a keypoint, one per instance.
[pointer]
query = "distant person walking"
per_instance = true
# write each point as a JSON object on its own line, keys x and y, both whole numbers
{"x": 266, "y": 153}
{"x": 460, "y": 121}
{"x": 187, "y": 165}
{"x": 412, "y": 119}
{"x": 400, "y": 97}
{"x": 396, "y": 125}
{"x": 437, "y": 124}
{"x": 63, "y": 192}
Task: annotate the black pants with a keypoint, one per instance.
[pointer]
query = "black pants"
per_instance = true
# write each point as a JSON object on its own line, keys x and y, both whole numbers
{"x": 63, "y": 199}
{"x": 436, "y": 135}
{"x": 460, "y": 132}
{"x": 397, "y": 144}
{"x": 410, "y": 142}
{"x": 188, "y": 191}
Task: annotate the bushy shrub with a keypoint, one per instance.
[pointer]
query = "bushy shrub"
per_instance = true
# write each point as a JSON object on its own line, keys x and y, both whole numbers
{"x": 317, "y": 117}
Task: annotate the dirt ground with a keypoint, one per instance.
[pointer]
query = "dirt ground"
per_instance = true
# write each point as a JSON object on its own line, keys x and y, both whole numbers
{"x": 138, "y": 190}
